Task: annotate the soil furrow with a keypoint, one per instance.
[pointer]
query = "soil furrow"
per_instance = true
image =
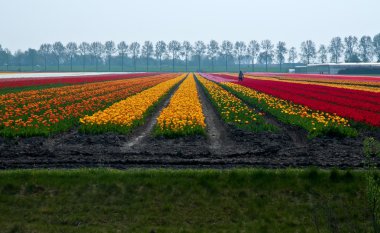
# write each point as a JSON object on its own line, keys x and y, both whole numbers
{"x": 297, "y": 135}
{"x": 216, "y": 132}
{"x": 139, "y": 134}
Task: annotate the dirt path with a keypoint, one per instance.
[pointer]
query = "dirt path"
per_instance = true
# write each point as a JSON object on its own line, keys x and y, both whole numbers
{"x": 216, "y": 131}
{"x": 138, "y": 136}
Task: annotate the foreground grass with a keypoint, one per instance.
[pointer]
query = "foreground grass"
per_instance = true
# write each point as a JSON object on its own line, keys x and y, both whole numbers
{"x": 243, "y": 200}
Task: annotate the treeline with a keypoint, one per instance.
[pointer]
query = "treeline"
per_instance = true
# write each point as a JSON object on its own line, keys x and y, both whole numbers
{"x": 218, "y": 56}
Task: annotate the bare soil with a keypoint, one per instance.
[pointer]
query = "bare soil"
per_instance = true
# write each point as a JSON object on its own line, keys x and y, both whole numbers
{"x": 223, "y": 147}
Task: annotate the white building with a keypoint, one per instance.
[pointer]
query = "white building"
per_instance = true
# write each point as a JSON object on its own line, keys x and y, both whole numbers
{"x": 340, "y": 68}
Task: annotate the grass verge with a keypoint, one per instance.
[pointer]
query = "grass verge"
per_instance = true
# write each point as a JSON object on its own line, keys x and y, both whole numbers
{"x": 238, "y": 200}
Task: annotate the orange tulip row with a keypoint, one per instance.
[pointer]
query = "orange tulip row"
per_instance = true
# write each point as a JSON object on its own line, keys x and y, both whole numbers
{"x": 58, "y": 109}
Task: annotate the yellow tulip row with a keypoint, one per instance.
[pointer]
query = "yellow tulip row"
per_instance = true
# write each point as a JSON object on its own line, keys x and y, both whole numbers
{"x": 315, "y": 122}
{"x": 126, "y": 114}
{"x": 183, "y": 115}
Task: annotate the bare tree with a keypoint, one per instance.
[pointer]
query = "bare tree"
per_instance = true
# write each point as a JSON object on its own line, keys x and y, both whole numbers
{"x": 322, "y": 51}
{"x": 96, "y": 50}
{"x": 147, "y": 51}
{"x": 281, "y": 50}
{"x": 122, "y": 47}
{"x": 45, "y": 50}
{"x": 308, "y": 51}
{"x": 84, "y": 48}
{"x": 267, "y": 47}
{"x": 160, "y": 50}
{"x": 351, "y": 47}
{"x": 366, "y": 48}
{"x": 239, "y": 50}
{"x": 72, "y": 50}
{"x": 226, "y": 50}
{"x": 110, "y": 49}
{"x": 134, "y": 48}
{"x": 58, "y": 51}
{"x": 376, "y": 46}
{"x": 213, "y": 50}
{"x": 187, "y": 50}
{"x": 174, "y": 47}
{"x": 336, "y": 49}
{"x": 199, "y": 50}
{"x": 253, "y": 50}
{"x": 292, "y": 55}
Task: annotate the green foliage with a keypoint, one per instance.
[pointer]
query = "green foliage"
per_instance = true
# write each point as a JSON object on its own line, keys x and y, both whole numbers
{"x": 371, "y": 151}
{"x": 243, "y": 200}
{"x": 185, "y": 131}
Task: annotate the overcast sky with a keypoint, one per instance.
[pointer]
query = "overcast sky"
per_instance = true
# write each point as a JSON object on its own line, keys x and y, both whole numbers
{"x": 28, "y": 23}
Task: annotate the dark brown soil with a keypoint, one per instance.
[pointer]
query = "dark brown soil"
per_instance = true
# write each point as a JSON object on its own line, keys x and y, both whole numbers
{"x": 223, "y": 147}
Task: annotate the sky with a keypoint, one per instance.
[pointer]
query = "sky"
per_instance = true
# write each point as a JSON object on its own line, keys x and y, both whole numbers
{"x": 28, "y": 23}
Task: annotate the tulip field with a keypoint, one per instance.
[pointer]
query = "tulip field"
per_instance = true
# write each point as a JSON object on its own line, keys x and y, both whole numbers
{"x": 142, "y": 113}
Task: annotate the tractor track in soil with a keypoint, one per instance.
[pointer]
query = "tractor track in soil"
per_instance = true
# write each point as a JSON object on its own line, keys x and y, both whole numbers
{"x": 223, "y": 147}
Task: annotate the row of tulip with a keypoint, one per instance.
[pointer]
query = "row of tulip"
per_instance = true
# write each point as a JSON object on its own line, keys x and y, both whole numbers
{"x": 338, "y": 79}
{"x": 233, "y": 110}
{"x": 315, "y": 122}
{"x": 23, "y": 82}
{"x": 370, "y": 87}
{"x": 184, "y": 115}
{"x": 357, "y": 99}
{"x": 44, "y": 97}
{"x": 58, "y": 109}
{"x": 125, "y": 115}
{"x": 361, "y": 106}
{"x": 352, "y": 104}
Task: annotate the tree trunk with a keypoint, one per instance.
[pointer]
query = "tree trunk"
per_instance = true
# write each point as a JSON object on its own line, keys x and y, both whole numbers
{"x": 84, "y": 63}
{"x": 226, "y": 62}
{"x": 109, "y": 63}
{"x": 147, "y": 63}
{"x": 186, "y": 62}
{"x": 160, "y": 62}
{"x": 199, "y": 63}
{"x": 266, "y": 64}
{"x": 58, "y": 63}
{"x": 45, "y": 64}
{"x": 122, "y": 62}
{"x": 212, "y": 61}
{"x": 239, "y": 62}
{"x": 134, "y": 61}
{"x": 71, "y": 63}
{"x": 173, "y": 62}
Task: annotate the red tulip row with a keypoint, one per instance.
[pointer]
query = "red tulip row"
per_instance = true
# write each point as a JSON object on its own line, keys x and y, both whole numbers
{"x": 358, "y": 105}
{"x": 22, "y": 82}
{"x": 327, "y": 94}
{"x": 310, "y": 97}
{"x": 322, "y": 77}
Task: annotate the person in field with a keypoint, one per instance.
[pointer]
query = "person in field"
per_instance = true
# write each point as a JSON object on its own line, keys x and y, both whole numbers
{"x": 241, "y": 76}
